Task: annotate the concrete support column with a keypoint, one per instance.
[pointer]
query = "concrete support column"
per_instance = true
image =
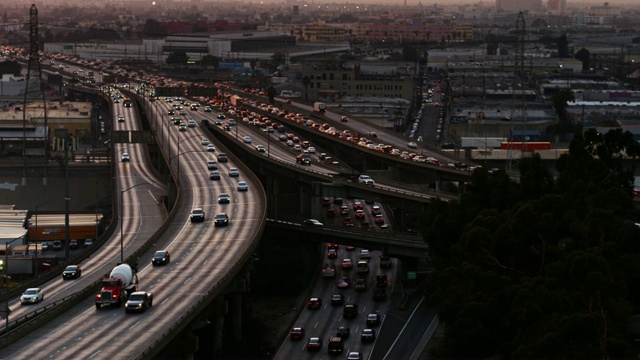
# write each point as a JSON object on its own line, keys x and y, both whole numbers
{"x": 219, "y": 310}
{"x": 235, "y": 312}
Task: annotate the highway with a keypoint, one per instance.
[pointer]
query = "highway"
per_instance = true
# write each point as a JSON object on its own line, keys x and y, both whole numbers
{"x": 202, "y": 256}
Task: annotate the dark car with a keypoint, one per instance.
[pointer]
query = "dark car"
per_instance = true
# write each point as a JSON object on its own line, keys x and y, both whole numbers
{"x": 385, "y": 262}
{"x": 381, "y": 280}
{"x": 378, "y": 295}
{"x": 373, "y": 320}
{"x": 350, "y": 311}
{"x": 215, "y": 175}
{"x": 222, "y": 157}
{"x": 297, "y": 333}
{"x": 73, "y": 244}
{"x": 212, "y": 165}
{"x": 368, "y": 335}
{"x": 314, "y": 303}
{"x": 336, "y": 300}
{"x": 222, "y": 219}
{"x": 314, "y": 344}
{"x": 224, "y": 198}
{"x": 161, "y": 257}
{"x": 139, "y": 301}
{"x": 71, "y": 272}
{"x": 197, "y": 215}
{"x": 343, "y": 332}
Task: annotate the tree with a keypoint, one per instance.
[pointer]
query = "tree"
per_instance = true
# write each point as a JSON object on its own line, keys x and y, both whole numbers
{"x": 210, "y": 60}
{"x": 271, "y": 93}
{"x": 585, "y": 56}
{"x": 177, "y": 58}
{"x": 563, "y": 46}
{"x": 409, "y": 53}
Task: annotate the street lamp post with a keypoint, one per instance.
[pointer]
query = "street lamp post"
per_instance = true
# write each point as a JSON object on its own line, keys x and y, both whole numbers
{"x": 178, "y": 154}
{"x": 122, "y": 217}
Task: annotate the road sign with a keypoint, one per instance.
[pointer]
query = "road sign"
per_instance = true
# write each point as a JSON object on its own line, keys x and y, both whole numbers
{"x": 412, "y": 275}
{"x": 4, "y": 311}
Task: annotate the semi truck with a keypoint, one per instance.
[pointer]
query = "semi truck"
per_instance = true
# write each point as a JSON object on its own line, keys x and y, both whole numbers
{"x": 117, "y": 286}
{"x": 319, "y": 107}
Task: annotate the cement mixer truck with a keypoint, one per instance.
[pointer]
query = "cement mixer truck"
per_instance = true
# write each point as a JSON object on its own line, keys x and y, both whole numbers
{"x": 117, "y": 286}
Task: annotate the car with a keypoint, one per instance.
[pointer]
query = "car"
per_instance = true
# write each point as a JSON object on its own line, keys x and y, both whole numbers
{"x": 368, "y": 335}
{"x": 222, "y": 157}
{"x": 333, "y": 246}
{"x": 373, "y": 320}
{"x": 360, "y": 285}
{"x": 350, "y": 311}
{"x": 88, "y": 242}
{"x": 337, "y": 200}
{"x": 357, "y": 205}
{"x": 379, "y": 219}
{"x": 344, "y": 210}
{"x": 207, "y": 109}
{"x": 331, "y": 213}
{"x": 326, "y": 201}
{"x": 222, "y": 219}
{"x": 364, "y": 225}
{"x": 224, "y": 198}
{"x": 336, "y": 300}
{"x": 211, "y": 148}
{"x": 197, "y": 215}
{"x": 329, "y": 271}
{"x": 125, "y": 157}
{"x": 233, "y": 172}
{"x": 375, "y": 210}
{"x": 366, "y": 180}
{"x": 412, "y": 145}
{"x": 57, "y": 245}
{"x": 314, "y": 303}
{"x": 378, "y": 295}
{"x": 215, "y": 175}
{"x": 297, "y": 333}
{"x": 120, "y": 118}
{"x": 171, "y": 112}
{"x": 354, "y": 355}
{"x": 385, "y": 262}
{"x": 343, "y": 332}
{"x": 242, "y": 186}
{"x": 311, "y": 150}
{"x": 312, "y": 223}
{"x": 381, "y": 280}
{"x": 344, "y": 118}
{"x": 205, "y": 142}
{"x": 247, "y": 139}
{"x": 161, "y": 257}
{"x": 191, "y": 123}
{"x": 347, "y": 264}
{"x": 227, "y": 127}
{"x": 314, "y": 344}
{"x": 138, "y": 301}
{"x": 212, "y": 165}
{"x": 71, "y": 272}
{"x": 343, "y": 282}
{"x": 183, "y": 112}
{"x": 261, "y": 148}
{"x": 347, "y": 221}
{"x": 182, "y": 128}
{"x": 360, "y": 214}
{"x": 32, "y": 296}
{"x": 73, "y": 244}
{"x": 365, "y": 254}
{"x": 332, "y": 254}
{"x": 349, "y": 247}
{"x": 45, "y": 246}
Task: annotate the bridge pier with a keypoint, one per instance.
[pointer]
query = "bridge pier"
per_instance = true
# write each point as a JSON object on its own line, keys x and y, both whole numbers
{"x": 219, "y": 308}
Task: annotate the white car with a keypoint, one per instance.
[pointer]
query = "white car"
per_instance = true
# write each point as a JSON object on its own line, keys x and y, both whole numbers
{"x": 311, "y": 149}
{"x": 365, "y": 254}
{"x": 211, "y": 147}
{"x": 412, "y": 145}
{"x": 125, "y": 157}
{"x": 32, "y": 296}
{"x": 247, "y": 139}
{"x": 365, "y": 179}
{"x": 242, "y": 186}
{"x": 205, "y": 142}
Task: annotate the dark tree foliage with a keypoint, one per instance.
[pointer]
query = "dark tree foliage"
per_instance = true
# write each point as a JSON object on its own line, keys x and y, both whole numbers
{"x": 271, "y": 93}
{"x": 563, "y": 46}
{"x": 543, "y": 267}
{"x": 177, "y": 58}
{"x": 585, "y": 56}
{"x": 10, "y": 67}
{"x": 409, "y": 53}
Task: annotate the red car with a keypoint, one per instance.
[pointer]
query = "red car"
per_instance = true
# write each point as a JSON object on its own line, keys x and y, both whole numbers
{"x": 375, "y": 210}
{"x": 314, "y": 303}
{"x": 360, "y": 214}
{"x": 297, "y": 333}
{"x": 332, "y": 246}
{"x": 347, "y": 222}
{"x": 314, "y": 344}
{"x": 357, "y": 205}
{"x": 379, "y": 219}
{"x": 347, "y": 264}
